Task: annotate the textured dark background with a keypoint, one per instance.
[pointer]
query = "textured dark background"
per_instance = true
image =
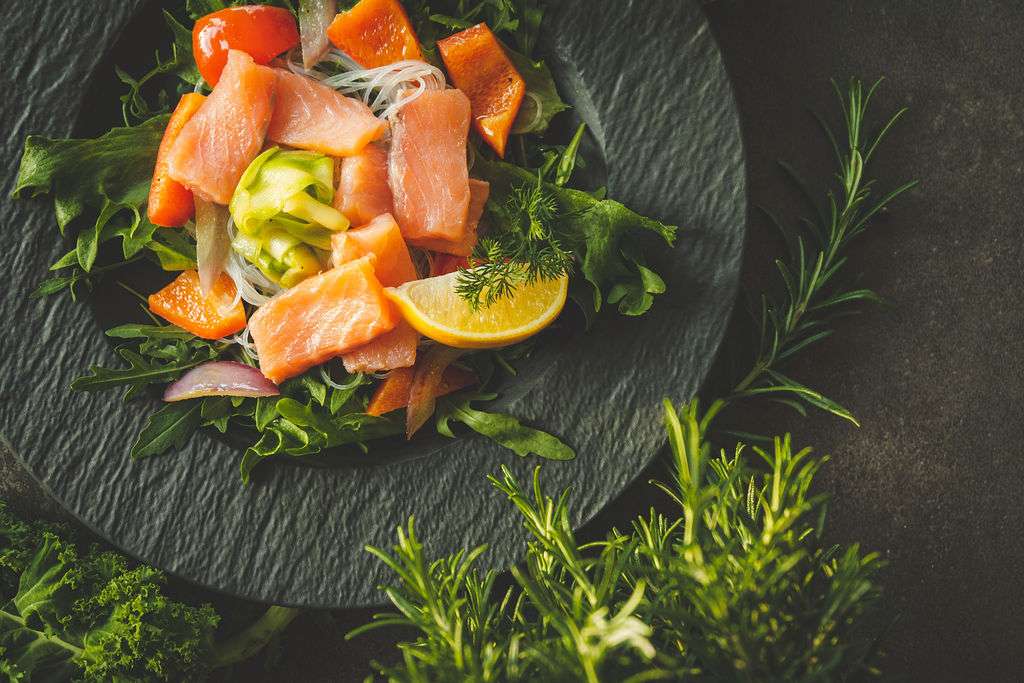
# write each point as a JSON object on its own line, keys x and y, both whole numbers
{"x": 932, "y": 479}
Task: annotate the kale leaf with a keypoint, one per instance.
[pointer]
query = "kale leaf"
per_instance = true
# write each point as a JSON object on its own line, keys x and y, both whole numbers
{"x": 68, "y": 613}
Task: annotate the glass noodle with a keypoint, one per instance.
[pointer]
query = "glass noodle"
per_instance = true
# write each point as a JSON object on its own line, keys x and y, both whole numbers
{"x": 385, "y": 90}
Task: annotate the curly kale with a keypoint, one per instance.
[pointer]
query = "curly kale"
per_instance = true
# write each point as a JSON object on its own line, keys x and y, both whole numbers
{"x": 85, "y": 614}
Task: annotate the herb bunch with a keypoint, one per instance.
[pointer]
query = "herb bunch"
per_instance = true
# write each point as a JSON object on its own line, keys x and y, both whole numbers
{"x": 736, "y": 584}
{"x": 522, "y": 252}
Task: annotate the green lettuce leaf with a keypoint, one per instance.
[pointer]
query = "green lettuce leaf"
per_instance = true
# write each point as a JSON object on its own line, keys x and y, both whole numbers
{"x": 186, "y": 68}
{"x": 598, "y": 231}
{"x": 542, "y": 101}
{"x": 102, "y": 182}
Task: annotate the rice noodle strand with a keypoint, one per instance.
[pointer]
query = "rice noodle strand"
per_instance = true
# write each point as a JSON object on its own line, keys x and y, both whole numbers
{"x": 385, "y": 89}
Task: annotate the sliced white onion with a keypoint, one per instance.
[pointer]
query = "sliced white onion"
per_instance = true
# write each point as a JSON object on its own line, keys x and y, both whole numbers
{"x": 244, "y": 340}
{"x": 212, "y": 242}
{"x": 532, "y": 108}
{"x": 221, "y": 378}
{"x": 314, "y": 18}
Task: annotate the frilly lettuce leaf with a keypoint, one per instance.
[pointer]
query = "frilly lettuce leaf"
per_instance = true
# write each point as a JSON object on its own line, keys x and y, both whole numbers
{"x": 542, "y": 102}
{"x": 98, "y": 186}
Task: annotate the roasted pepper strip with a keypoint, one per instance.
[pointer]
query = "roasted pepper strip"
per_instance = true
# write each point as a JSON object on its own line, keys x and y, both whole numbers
{"x": 170, "y": 203}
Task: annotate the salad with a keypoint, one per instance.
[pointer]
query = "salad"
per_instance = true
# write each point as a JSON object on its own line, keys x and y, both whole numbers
{"x": 364, "y": 218}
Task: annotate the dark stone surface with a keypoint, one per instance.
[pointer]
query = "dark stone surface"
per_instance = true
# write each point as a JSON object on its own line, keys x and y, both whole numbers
{"x": 297, "y": 535}
{"x": 932, "y": 479}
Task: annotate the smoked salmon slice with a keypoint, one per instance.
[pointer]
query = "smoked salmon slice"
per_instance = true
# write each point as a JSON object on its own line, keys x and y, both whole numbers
{"x": 393, "y": 267}
{"x": 321, "y": 318}
{"x": 363, "y": 190}
{"x": 394, "y": 349}
{"x": 223, "y": 137}
{"x": 428, "y": 174}
{"x": 381, "y": 237}
{"x": 479, "y": 191}
{"x": 313, "y": 117}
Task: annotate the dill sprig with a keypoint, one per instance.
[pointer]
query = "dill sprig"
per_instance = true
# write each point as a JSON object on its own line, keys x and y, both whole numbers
{"x": 522, "y": 249}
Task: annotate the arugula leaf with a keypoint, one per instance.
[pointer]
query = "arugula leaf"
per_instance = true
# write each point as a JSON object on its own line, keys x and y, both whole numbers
{"x": 139, "y": 331}
{"x": 141, "y": 371}
{"x": 635, "y": 295}
{"x": 69, "y": 615}
{"x": 502, "y": 429}
{"x": 170, "y": 427}
{"x": 173, "y": 249}
{"x": 312, "y": 416}
{"x": 596, "y": 230}
{"x": 61, "y": 282}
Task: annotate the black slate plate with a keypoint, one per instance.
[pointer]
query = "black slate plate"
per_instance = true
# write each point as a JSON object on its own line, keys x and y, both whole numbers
{"x": 648, "y": 79}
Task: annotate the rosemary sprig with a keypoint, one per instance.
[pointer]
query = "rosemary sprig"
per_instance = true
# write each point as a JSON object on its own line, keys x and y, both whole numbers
{"x": 739, "y": 586}
{"x": 812, "y": 294}
{"x": 523, "y": 249}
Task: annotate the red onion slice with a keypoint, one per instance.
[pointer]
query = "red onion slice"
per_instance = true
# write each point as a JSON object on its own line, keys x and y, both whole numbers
{"x": 212, "y": 243}
{"x": 314, "y": 18}
{"x": 221, "y": 378}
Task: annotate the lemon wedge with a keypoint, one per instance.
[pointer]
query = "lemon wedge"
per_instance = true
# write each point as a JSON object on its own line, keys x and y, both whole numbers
{"x": 435, "y": 309}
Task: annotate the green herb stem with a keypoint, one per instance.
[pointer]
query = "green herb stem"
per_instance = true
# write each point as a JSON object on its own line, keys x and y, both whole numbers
{"x": 254, "y": 638}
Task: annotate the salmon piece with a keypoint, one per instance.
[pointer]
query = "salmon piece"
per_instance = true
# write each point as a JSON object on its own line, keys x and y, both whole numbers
{"x": 363, "y": 190}
{"x": 382, "y": 238}
{"x": 320, "y": 318}
{"x": 311, "y": 116}
{"x": 210, "y": 316}
{"x": 375, "y": 33}
{"x": 427, "y": 171}
{"x": 393, "y": 267}
{"x": 392, "y": 350}
{"x": 479, "y": 191}
{"x": 221, "y": 139}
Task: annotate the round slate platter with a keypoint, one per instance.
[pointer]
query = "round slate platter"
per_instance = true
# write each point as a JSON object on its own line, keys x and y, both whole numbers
{"x": 647, "y": 78}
